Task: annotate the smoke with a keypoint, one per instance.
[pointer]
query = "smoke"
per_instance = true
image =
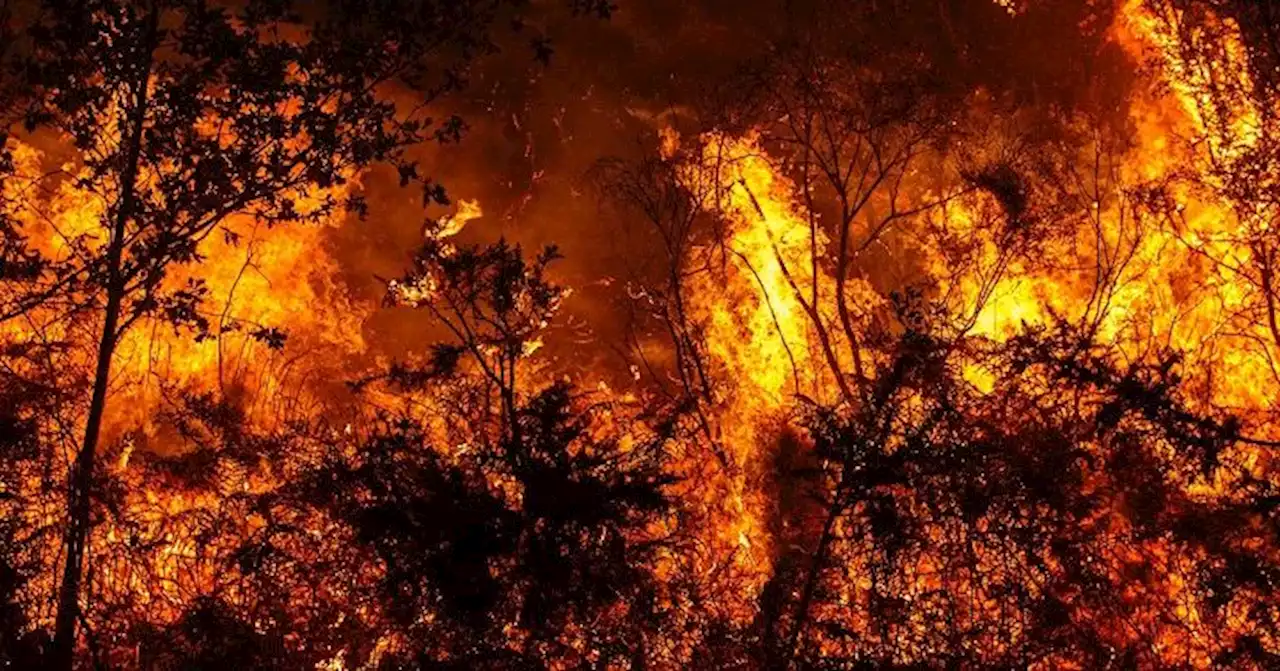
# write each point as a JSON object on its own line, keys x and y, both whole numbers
{"x": 537, "y": 129}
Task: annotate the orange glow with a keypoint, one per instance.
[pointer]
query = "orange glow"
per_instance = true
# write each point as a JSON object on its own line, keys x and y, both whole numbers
{"x": 1154, "y": 257}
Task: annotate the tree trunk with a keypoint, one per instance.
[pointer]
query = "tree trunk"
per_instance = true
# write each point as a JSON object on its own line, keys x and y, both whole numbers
{"x": 79, "y": 491}
{"x": 815, "y": 573}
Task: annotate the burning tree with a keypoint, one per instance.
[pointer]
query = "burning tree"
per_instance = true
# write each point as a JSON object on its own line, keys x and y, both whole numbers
{"x": 928, "y": 500}
{"x": 517, "y": 520}
{"x": 932, "y": 362}
{"x": 183, "y": 115}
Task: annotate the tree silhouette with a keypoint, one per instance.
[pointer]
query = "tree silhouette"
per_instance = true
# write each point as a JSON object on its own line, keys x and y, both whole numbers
{"x": 538, "y": 520}
{"x": 184, "y": 114}
{"x": 974, "y": 515}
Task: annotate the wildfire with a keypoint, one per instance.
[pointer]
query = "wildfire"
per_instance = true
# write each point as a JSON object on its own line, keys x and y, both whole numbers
{"x": 784, "y": 314}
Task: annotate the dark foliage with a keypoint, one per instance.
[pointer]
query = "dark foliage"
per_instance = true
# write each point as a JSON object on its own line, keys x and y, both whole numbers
{"x": 1018, "y": 515}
